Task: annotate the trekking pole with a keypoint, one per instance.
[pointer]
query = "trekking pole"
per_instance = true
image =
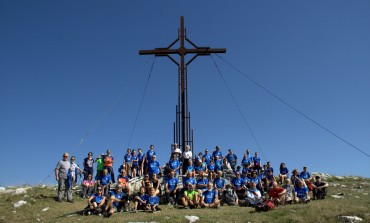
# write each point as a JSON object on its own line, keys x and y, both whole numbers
{"x": 38, "y": 186}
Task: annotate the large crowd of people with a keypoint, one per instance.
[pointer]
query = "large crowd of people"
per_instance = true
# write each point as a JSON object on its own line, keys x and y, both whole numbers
{"x": 206, "y": 180}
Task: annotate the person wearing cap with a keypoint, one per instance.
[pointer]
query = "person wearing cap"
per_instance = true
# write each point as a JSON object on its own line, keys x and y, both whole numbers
{"x": 232, "y": 159}
{"x": 116, "y": 202}
{"x": 88, "y": 165}
{"x": 61, "y": 175}
{"x": 319, "y": 188}
{"x": 99, "y": 166}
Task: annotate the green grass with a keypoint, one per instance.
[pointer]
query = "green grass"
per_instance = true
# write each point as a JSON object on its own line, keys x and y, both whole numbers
{"x": 326, "y": 210}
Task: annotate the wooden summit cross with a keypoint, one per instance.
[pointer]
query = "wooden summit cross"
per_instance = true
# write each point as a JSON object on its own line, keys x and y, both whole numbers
{"x": 182, "y": 124}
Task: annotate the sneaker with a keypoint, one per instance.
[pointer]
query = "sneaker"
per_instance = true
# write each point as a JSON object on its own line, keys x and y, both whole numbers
{"x": 186, "y": 207}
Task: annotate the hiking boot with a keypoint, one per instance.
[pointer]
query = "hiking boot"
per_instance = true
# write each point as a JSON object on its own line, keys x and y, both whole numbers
{"x": 71, "y": 201}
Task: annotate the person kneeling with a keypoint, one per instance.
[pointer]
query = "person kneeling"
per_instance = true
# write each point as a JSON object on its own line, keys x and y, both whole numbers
{"x": 190, "y": 198}
{"x": 210, "y": 197}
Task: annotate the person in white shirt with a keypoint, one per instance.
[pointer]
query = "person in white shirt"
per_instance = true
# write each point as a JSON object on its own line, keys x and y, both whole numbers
{"x": 187, "y": 155}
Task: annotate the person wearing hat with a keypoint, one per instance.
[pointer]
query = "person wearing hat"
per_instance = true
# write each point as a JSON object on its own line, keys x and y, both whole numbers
{"x": 319, "y": 188}
{"x": 99, "y": 166}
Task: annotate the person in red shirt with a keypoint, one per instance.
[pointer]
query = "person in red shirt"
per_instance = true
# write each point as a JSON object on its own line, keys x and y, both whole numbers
{"x": 277, "y": 194}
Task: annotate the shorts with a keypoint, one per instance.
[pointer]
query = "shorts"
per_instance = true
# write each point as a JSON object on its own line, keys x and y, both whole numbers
{"x": 134, "y": 167}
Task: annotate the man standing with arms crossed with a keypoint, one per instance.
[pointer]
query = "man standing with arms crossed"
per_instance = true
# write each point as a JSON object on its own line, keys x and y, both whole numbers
{"x": 61, "y": 175}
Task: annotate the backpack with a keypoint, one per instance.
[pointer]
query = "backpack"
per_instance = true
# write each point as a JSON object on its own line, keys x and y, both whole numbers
{"x": 229, "y": 197}
{"x": 265, "y": 206}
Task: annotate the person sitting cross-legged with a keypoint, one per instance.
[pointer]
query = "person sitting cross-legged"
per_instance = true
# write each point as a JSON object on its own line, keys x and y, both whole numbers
{"x": 152, "y": 201}
{"x": 140, "y": 199}
{"x": 96, "y": 201}
{"x": 191, "y": 197}
{"x": 319, "y": 188}
{"x": 87, "y": 186}
{"x": 254, "y": 197}
{"x": 301, "y": 192}
{"x": 210, "y": 197}
{"x": 277, "y": 194}
{"x": 116, "y": 201}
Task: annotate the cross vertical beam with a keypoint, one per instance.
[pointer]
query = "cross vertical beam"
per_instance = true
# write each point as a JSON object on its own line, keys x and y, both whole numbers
{"x": 182, "y": 134}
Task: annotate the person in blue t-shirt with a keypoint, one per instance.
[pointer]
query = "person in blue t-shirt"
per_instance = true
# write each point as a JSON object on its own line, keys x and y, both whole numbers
{"x": 219, "y": 183}
{"x": 96, "y": 201}
{"x": 200, "y": 168}
{"x": 218, "y": 153}
{"x": 301, "y": 192}
{"x": 202, "y": 182}
{"x": 116, "y": 201}
{"x": 140, "y": 199}
{"x": 171, "y": 185}
{"x": 188, "y": 179}
{"x": 152, "y": 201}
{"x": 209, "y": 197}
{"x": 148, "y": 158}
{"x": 207, "y": 156}
{"x": 141, "y": 160}
{"x": 191, "y": 167}
{"x": 127, "y": 161}
{"x": 154, "y": 167}
{"x": 211, "y": 167}
{"x": 283, "y": 173}
{"x": 257, "y": 163}
{"x": 218, "y": 163}
{"x": 174, "y": 164}
{"x": 105, "y": 182}
{"x": 232, "y": 159}
{"x": 239, "y": 186}
{"x": 134, "y": 164}
{"x": 306, "y": 176}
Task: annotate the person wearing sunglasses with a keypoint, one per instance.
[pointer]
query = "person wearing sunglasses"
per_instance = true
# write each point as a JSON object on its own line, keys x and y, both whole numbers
{"x": 96, "y": 201}
{"x": 61, "y": 175}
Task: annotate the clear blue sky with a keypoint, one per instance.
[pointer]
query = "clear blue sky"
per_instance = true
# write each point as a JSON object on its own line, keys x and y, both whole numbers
{"x": 64, "y": 63}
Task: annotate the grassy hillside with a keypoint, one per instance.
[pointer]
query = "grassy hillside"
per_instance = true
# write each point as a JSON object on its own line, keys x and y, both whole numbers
{"x": 354, "y": 200}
